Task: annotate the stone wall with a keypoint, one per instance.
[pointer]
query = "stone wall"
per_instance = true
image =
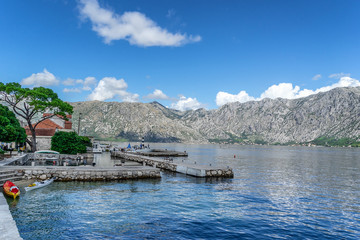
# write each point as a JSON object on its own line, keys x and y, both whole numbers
{"x": 42, "y": 142}
{"x": 90, "y": 174}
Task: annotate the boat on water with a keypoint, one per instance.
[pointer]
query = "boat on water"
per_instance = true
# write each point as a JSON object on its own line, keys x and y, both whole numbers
{"x": 97, "y": 150}
{"x": 10, "y": 189}
{"x": 37, "y": 185}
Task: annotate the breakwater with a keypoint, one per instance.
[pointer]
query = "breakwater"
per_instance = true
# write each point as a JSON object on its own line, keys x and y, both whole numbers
{"x": 87, "y": 173}
{"x": 186, "y": 168}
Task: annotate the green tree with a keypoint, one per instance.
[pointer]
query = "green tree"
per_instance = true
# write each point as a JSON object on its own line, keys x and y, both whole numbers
{"x": 10, "y": 129}
{"x": 31, "y": 103}
{"x": 68, "y": 143}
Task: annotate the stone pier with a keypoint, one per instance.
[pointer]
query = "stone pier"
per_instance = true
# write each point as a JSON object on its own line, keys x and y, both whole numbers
{"x": 86, "y": 173}
{"x": 189, "y": 169}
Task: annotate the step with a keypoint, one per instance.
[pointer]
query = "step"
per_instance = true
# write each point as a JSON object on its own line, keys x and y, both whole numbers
{"x": 12, "y": 179}
{"x": 6, "y": 176}
{"x": 7, "y": 172}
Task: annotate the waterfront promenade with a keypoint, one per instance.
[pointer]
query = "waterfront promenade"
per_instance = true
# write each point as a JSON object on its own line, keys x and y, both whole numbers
{"x": 8, "y": 228}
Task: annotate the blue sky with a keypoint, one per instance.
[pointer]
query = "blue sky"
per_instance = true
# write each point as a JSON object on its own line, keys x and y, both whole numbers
{"x": 184, "y": 54}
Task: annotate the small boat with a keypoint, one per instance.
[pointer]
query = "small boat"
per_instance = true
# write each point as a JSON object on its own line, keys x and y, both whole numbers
{"x": 37, "y": 185}
{"x": 11, "y": 189}
{"x": 97, "y": 150}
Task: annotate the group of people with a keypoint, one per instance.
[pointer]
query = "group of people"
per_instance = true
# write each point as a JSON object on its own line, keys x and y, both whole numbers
{"x": 6, "y": 148}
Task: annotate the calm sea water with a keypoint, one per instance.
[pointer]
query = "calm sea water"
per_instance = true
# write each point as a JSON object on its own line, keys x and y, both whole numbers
{"x": 277, "y": 193}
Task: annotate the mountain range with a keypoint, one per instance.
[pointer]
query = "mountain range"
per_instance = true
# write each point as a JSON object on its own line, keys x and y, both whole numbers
{"x": 335, "y": 114}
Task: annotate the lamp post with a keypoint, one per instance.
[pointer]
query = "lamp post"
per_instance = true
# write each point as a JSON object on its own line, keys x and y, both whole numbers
{"x": 79, "y": 124}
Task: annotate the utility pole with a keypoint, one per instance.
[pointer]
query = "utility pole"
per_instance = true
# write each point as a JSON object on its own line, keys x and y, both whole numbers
{"x": 79, "y": 124}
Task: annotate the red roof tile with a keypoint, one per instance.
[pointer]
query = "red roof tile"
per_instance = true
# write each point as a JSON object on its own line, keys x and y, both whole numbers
{"x": 47, "y": 124}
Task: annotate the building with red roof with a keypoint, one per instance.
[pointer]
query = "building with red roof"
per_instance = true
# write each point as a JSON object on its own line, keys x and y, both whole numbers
{"x": 47, "y": 128}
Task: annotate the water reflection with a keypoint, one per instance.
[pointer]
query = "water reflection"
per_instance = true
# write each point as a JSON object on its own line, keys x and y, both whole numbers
{"x": 277, "y": 192}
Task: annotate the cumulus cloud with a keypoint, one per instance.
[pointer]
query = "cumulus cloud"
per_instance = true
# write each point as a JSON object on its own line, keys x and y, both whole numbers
{"x": 44, "y": 78}
{"x": 109, "y": 88}
{"x": 284, "y": 90}
{"x": 186, "y": 104}
{"x": 157, "y": 95}
{"x": 316, "y": 77}
{"x": 133, "y": 27}
{"x": 224, "y": 97}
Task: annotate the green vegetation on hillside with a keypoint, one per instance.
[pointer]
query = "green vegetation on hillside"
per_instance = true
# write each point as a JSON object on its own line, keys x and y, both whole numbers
{"x": 333, "y": 142}
{"x": 244, "y": 139}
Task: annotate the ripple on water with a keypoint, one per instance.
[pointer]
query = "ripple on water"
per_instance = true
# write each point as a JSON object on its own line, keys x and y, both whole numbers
{"x": 276, "y": 194}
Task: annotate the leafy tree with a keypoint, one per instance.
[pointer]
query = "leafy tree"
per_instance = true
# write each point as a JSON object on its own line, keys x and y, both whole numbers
{"x": 10, "y": 129}
{"x": 86, "y": 141}
{"x": 67, "y": 143}
{"x": 30, "y": 103}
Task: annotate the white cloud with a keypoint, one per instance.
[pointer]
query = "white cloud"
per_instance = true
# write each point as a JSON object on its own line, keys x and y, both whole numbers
{"x": 339, "y": 75}
{"x": 44, "y": 78}
{"x": 284, "y": 90}
{"x": 109, "y": 88}
{"x": 316, "y": 77}
{"x": 157, "y": 95}
{"x": 224, "y": 97}
{"x": 343, "y": 82}
{"x": 186, "y": 104}
{"x": 69, "y": 82}
{"x": 134, "y": 27}
{"x": 68, "y": 90}
{"x": 88, "y": 83}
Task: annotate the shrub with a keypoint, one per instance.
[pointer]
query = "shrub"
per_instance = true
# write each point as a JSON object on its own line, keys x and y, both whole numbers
{"x": 86, "y": 141}
{"x": 68, "y": 143}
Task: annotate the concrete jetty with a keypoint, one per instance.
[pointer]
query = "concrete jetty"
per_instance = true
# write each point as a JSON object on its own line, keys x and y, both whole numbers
{"x": 185, "y": 168}
{"x": 8, "y": 228}
{"x": 162, "y": 153}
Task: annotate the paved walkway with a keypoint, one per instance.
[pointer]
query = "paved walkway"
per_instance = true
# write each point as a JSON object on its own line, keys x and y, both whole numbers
{"x": 9, "y": 160}
{"x": 8, "y": 228}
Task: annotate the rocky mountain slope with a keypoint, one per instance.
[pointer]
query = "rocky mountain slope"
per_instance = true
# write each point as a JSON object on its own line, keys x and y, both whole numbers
{"x": 335, "y": 113}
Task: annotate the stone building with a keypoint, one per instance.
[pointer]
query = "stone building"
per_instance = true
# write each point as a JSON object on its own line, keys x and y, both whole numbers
{"x": 47, "y": 128}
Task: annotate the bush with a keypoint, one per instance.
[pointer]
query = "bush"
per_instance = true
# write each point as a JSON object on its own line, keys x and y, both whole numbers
{"x": 86, "y": 141}
{"x": 68, "y": 143}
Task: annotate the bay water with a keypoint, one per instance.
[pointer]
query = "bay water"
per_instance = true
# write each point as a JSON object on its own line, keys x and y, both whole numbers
{"x": 277, "y": 193}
